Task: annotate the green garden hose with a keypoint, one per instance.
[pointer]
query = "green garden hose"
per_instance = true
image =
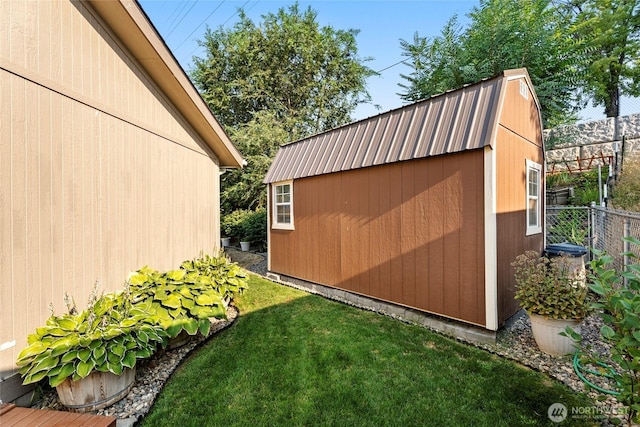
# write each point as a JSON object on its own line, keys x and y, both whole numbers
{"x": 579, "y": 369}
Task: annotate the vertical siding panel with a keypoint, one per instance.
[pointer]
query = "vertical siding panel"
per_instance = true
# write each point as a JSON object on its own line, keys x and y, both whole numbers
{"x": 422, "y": 233}
{"x": 43, "y": 46}
{"x": 452, "y": 223}
{"x": 33, "y": 286}
{"x": 363, "y": 230}
{"x": 66, "y": 43}
{"x": 5, "y": 22}
{"x": 436, "y": 215}
{"x": 7, "y": 316}
{"x": 57, "y": 205}
{"x": 16, "y": 34}
{"x": 317, "y": 230}
{"x": 386, "y": 232}
{"x": 77, "y": 66}
{"x": 377, "y": 239}
{"x": 75, "y": 190}
{"x": 70, "y": 285}
{"x": 31, "y": 37}
{"x": 480, "y": 242}
{"x": 19, "y": 204}
{"x": 469, "y": 287}
{"x": 347, "y": 235}
{"x": 45, "y": 247}
{"x": 335, "y": 254}
{"x": 408, "y": 233}
{"x": 87, "y": 58}
{"x": 395, "y": 213}
{"x": 85, "y": 193}
{"x": 54, "y": 30}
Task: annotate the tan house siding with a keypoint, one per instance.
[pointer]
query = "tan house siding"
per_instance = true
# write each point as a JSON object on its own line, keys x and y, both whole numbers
{"x": 99, "y": 173}
{"x": 409, "y": 232}
{"x": 519, "y": 138}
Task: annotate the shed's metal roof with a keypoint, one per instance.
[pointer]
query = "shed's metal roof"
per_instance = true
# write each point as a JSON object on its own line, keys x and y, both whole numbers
{"x": 464, "y": 119}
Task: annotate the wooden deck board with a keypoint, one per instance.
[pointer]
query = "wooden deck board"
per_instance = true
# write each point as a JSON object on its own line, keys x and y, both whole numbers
{"x": 11, "y": 415}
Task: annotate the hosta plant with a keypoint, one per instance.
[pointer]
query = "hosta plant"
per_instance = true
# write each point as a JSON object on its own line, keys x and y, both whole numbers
{"x": 109, "y": 336}
{"x": 226, "y": 277}
{"x": 179, "y": 299}
{"x": 546, "y": 287}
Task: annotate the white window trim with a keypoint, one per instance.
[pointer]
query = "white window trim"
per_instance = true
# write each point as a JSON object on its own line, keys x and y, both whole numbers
{"x": 537, "y": 229}
{"x": 275, "y": 224}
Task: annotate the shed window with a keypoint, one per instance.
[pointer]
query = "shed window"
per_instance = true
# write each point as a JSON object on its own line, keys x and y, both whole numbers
{"x": 534, "y": 195}
{"x": 283, "y": 205}
{"x": 524, "y": 90}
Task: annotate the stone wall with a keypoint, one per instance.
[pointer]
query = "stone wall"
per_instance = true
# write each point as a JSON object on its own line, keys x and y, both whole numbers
{"x": 589, "y": 139}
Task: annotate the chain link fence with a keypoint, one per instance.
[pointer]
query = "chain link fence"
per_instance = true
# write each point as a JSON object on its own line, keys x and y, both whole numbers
{"x": 595, "y": 228}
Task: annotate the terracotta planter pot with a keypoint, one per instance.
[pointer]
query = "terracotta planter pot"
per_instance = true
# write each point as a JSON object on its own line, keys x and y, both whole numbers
{"x": 546, "y": 332}
{"x": 96, "y": 391}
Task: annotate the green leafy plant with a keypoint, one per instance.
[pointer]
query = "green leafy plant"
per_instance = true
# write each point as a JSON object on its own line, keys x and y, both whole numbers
{"x": 227, "y": 278}
{"x": 254, "y": 228}
{"x": 109, "y": 336}
{"x": 618, "y": 303}
{"x": 546, "y": 287}
{"x": 626, "y": 192}
{"x": 246, "y": 225}
{"x": 179, "y": 299}
{"x": 232, "y": 224}
{"x": 569, "y": 226}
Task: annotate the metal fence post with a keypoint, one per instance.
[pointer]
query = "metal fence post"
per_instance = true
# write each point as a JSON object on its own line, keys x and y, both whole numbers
{"x": 626, "y": 247}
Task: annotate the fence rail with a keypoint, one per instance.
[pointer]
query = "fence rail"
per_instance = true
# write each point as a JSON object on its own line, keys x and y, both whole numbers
{"x": 595, "y": 228}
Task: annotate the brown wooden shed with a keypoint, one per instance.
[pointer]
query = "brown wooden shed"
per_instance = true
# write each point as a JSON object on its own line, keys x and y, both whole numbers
{"x": 109, "y": 160}
{"x": 425, "y": 206}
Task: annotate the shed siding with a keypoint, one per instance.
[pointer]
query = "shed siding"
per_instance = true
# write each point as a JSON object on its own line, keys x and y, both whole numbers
{"x": 408, "y": 232}
{"x": 518, "y": 139}
{"x": 99, "y": 175}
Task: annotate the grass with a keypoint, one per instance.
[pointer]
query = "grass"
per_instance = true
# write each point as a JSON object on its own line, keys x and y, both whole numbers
{"x": 294, "y": 359}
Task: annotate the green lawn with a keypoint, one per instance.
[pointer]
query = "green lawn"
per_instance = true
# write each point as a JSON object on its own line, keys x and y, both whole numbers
{"x": 294, "y": 359}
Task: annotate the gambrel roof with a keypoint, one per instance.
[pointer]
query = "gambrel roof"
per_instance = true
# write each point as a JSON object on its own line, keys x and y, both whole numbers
{"x": 458, "y": 120}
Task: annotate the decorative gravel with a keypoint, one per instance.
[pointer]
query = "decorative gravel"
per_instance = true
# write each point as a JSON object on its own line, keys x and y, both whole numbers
{"x": 514, "y": 342}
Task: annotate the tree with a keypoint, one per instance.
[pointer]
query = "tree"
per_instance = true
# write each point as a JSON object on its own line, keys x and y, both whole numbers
{"x": 276, "y": 82}
{"x": 611, "y": 29}
{"x": 502, "y": 34}
{"x": 438, "y": 65}
{"x": 258, "y": 140}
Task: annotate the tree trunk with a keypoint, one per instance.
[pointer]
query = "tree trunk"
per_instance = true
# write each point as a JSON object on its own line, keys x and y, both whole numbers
{"x": 612, "y": 101}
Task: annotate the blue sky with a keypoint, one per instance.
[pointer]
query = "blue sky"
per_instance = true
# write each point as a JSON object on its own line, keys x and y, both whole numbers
{"x": 382, "y": 24}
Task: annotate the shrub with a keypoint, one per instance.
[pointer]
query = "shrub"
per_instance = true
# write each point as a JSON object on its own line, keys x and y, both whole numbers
{"x": 255, "y": 228}
{"x": 231, "y": 225}
{"x": 547, "y": 287}
{"x": 248, "y": 226}
{"x": 626, "y": 192}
